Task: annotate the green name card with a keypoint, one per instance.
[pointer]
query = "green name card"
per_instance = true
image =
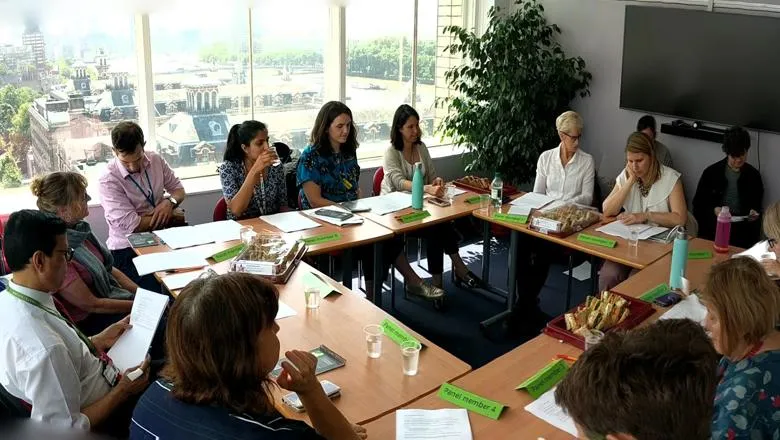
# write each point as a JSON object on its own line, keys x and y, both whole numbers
{"x": 470, "y": 401}
{"x": 511, "y": 218}
{"x": 598, "y": 241}
{"x": 396, "y": 333}
{"x": 322, "y": 238}
{"x": 310, "y": 279}
{"x": 472, "y": 200}
{"x": 415, "y": 216}
{"x": 545, "y": 378}
{"x": 228, "y": 253}
{"x": 655, "y": 292}
{"x": 699, "y": 255}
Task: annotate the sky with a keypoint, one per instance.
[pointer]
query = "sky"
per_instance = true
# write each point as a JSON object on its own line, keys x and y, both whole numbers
{"x": 214, "y": 20}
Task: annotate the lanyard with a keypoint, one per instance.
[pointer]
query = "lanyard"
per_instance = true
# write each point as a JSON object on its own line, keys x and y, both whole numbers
{"x": 35, "y": 303}
{"x": 149, "y": 197}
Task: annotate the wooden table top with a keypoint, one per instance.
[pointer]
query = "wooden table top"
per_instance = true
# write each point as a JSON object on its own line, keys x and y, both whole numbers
{"x": 497, "y": 381}
{"x": 459, "y": 208}
{"x": 351, "y": 236}
{"x": 648, "y": 253}
{"x": 370, "y": 387}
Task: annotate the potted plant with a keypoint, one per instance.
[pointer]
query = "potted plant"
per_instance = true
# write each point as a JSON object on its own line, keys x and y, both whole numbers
{"x": 514, "y": 82}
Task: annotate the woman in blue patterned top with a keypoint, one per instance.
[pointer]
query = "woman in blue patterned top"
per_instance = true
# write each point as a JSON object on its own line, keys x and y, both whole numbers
{"x": 743, "y": 305}
{"x": 251, "y": 182}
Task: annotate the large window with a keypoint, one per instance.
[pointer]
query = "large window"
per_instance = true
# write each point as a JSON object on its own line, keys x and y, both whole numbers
{"x": 288, "y": 47}
{"x": 59, "y": 94}
{"x": 70, "y": 73}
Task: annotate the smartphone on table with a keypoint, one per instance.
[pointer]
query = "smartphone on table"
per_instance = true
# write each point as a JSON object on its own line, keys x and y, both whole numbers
{"x": 293, "y": 401}
{"x": 332, "y": 213}
{"x": 438, "y": 201}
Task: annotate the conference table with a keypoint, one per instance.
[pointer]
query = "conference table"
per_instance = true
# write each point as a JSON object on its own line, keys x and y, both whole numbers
{"x": 647, "y": 253}
{"x": 351, "y": 236}
{"x": 438, "y": 214}
{"x": 497, "y": 380}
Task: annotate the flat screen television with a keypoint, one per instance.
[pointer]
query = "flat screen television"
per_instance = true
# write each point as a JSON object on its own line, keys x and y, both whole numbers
{"x": 706, "y": 66}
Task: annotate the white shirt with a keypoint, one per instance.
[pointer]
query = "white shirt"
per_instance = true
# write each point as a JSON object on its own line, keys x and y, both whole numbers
{"x": 572, "y": 183}
{"x": 657, "y": 199}
{"x": 45, "y": 363}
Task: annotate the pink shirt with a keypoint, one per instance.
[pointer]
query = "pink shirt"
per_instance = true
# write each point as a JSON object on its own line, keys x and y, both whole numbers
{"x": 124, "y": 203}
{"x": 75, "y": 271}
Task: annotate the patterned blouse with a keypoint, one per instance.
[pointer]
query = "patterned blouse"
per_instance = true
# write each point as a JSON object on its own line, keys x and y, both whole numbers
{"x": 337, "y": 176}
{"x": 269, "y": 196}
{"x": 747, "y": 400}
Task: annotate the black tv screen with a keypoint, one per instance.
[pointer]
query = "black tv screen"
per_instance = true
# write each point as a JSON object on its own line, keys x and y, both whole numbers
{"x": 700, "y": 65}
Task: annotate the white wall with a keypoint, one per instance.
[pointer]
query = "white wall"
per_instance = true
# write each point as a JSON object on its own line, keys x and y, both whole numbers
{"x": 593, "y": 29}
{"x": 200, "y": 207}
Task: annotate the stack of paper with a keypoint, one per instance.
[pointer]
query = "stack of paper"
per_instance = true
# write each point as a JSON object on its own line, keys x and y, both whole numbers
{"x": 180, "y": 259}
{"x": 546, "y": 409}
{"x": 454, "y": 191}
{"x": 620, "y": 229}
{"x": 180, "y": 280}
{"x": 395, "y": 201}
{"x": 532, "y": 200}
{"x": 437, "y": 424}
{"x": 354, "y": 220}
{"x": 130, "y": 349}
{"x": 290, "y": 221}
{"x": 186, "y": 236}
{"x": 689, "y": 308}
{"x": 760, "y": 251}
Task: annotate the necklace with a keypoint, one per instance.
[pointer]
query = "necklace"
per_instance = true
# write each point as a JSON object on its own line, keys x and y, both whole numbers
{"x": 644, "y": 190}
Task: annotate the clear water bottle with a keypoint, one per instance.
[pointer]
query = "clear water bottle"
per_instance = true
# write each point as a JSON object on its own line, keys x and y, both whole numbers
{"x": 497, "y": 192}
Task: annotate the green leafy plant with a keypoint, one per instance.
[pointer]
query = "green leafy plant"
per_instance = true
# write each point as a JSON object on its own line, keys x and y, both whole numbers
{"x": 10, "y": 174}
{"x": 514, "y": 82}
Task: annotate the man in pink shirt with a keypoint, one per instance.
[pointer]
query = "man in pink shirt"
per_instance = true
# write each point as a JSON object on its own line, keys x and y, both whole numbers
{"x": 132, "y": 193}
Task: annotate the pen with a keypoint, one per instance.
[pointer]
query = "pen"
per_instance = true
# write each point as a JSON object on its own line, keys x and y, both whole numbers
{"x": 566, "y": 357}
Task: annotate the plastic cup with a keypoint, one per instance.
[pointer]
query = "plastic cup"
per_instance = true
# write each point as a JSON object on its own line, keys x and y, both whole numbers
{"x": 484, "y": 202}
{"x": 247, "y": 234}
{"x": 373, "y": 334}
{"x": 450, "y": 192}
{"x": 278, "y": 161}
{"x": 312, "y": 297}
{"x": 633, "y": 242}
{"x": 593, "y": 338}
{"x": 410, "y": 350}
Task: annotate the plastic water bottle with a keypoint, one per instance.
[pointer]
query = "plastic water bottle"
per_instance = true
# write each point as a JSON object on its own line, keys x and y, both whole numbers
{"x": 679, "y": 259}
{"x": 417, "y": 186}
{"x": 723, "y": 231}
{"x": 497, "y": 192}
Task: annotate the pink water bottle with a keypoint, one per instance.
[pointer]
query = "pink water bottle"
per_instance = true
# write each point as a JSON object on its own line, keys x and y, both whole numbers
{"x": 723, "y": 231}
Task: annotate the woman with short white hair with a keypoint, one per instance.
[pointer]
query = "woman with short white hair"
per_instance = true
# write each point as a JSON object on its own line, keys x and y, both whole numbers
{"x": 566, "y": 174}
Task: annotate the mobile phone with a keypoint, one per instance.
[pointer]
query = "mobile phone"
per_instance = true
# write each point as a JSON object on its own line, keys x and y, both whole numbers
{"x": 293, "y": 401}
{"x": 438, "y": 201}
{"x": 334, "y": 214}
{"x": 668, "y": 299}
{"x": 355, "y": 206}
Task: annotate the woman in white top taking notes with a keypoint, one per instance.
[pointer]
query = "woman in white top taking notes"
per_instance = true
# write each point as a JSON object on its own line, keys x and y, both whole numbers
{"x": 645, "y": 192}
{"x": 566, "y": 174}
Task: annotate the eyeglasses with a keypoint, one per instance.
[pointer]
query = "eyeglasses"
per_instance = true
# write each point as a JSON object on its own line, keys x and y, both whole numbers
{"x": 771, "y": 242}
{"x": 574, "y": 138}
{"x": 68, "y": 254}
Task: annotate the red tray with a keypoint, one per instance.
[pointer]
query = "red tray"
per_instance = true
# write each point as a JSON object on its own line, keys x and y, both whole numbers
{"x": 640, "y": 311}
{"x": 507, "y": 191}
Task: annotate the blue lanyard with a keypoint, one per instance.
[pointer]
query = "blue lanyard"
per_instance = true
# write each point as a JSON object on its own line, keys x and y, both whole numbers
{"x": 149, "y": 197}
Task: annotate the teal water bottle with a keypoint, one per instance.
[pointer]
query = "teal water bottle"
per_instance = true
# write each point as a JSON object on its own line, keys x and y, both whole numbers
{"x": 679, "y": 259}
{"x": 417, "y": 186}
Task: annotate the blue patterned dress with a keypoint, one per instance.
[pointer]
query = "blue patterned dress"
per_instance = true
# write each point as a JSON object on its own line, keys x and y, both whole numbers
{"x": 269, "y": 196}
{"x": 337, "y": 175}
{"x": 747, "y": 400}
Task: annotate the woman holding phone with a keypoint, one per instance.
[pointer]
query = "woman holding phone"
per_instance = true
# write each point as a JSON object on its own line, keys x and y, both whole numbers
{"x": 253, "y": 183}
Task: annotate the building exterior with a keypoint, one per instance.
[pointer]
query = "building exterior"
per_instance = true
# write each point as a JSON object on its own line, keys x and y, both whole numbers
{"x": 32, "y": 38}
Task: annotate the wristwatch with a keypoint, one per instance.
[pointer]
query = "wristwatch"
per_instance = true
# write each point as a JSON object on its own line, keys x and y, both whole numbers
{"x": 173, "y": 201}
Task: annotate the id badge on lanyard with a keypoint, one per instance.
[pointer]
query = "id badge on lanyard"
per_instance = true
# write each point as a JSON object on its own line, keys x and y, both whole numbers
{"x": 110, "y": 373}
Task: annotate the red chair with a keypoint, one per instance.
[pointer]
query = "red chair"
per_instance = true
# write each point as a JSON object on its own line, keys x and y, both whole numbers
{"x": 220, "y": 211}
{"x": 3, "y": 264}
{"x": 379, "y": 175}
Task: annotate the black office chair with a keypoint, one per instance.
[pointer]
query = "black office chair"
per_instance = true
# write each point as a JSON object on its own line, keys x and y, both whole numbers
{"x": 11, "y": 407}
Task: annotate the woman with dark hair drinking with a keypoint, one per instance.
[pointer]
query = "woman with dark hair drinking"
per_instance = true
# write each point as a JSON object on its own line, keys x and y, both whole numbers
{"x": 222, "y": 346}
{"x": 252, "y": 183}
{"x": 405, "y": 150}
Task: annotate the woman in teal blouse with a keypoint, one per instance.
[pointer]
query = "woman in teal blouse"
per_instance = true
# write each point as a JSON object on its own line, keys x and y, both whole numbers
{"x": 743, "y": 305}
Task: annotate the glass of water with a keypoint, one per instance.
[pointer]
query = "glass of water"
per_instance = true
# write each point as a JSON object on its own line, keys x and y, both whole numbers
{"x": 593, "y": 338}
{"x": 410, "y": 350}
{"x": 278, "y": 161}
{"x": 373, "y": 334}
{"x": 484, "y": 203}
{"x": 633, "y": 241}
{"x": 312, "y": 295}
{"x": 449, "y": 192}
